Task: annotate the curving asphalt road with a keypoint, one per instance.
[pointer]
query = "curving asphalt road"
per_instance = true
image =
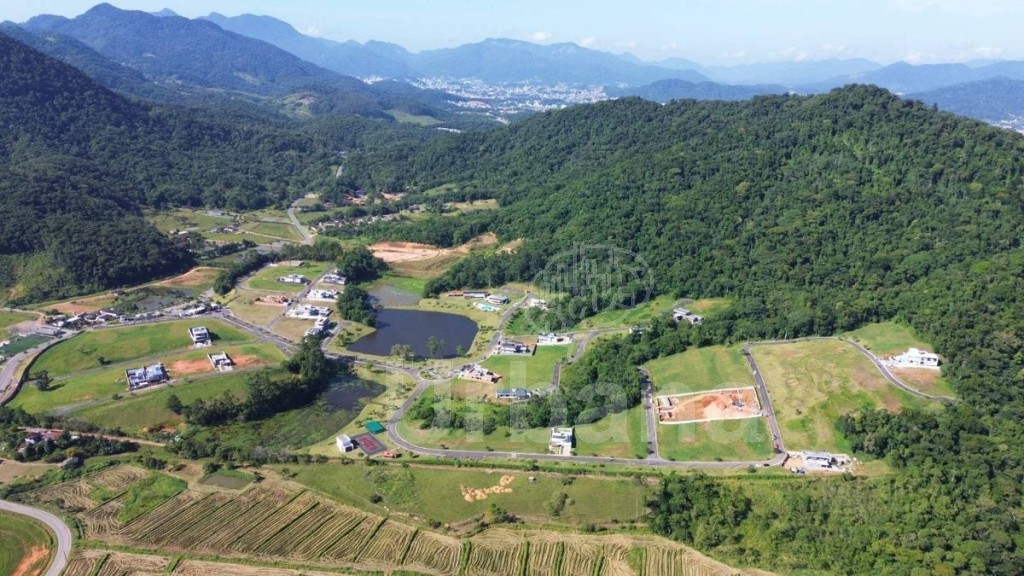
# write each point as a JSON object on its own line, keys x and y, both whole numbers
{"x": 63, "y": 552}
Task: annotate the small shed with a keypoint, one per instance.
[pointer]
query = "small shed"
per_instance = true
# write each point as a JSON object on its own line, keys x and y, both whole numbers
{"x": 375, "y": 427}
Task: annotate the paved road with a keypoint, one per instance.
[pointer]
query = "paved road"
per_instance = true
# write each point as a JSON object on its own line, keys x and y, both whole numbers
{"x": 765, "y": 400}
{"x": 306, "y": 236}
{"x": 651, "y": 415}
{"x": 9, "y": 382}
{"x": 63, "y": 552}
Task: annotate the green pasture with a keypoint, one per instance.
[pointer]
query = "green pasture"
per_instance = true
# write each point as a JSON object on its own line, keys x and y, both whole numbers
{"x": 700, "y": 369}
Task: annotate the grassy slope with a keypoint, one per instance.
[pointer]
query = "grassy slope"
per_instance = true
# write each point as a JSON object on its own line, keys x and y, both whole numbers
{"x": 19, "y": 536}
{"x": 528, "y": 371}
{"x": 813, "y": 383}
{"x": 266, "y": 279}
{"x": 746, "y": 439}
{"x": 122, "y": 344}
{"x": 99, "y": 385}
{"x": 700, "y": 369}
{"x": 435, "y": 493}
{"x": 886, "y": 338}
{"x": 134, "y": 413}
{"x": 11, "y": 318}
{"x": 660, "y": 306}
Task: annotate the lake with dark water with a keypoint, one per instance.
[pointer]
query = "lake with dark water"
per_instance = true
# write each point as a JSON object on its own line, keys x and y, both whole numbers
{"x": 415, "y": 327}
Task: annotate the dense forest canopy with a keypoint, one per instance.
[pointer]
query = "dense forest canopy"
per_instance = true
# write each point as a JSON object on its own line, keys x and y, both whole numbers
{"x": 77, "y": 161}
{"x": 814, "y": 215}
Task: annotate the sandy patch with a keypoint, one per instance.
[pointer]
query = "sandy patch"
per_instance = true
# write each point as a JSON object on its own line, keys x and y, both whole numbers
{"x": 511, "y": 246}
{"x": 413, "y": 252}
{"x": 923, "y": 379}
{"x": 183, "y": 367}
{"x": 477, "y": 494}
{"x": 272, "y": 300}
{"x": 194, "y": 277}
{"x": 33, "y": 562}
{"x": 243, "y": 361}
{"x": 714, "y": 405}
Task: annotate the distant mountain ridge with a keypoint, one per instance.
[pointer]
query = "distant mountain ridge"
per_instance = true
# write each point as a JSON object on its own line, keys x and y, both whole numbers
{"x": 672, "y": 89}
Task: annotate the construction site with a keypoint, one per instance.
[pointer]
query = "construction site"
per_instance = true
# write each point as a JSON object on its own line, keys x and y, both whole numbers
{"x": 723, "y": 404}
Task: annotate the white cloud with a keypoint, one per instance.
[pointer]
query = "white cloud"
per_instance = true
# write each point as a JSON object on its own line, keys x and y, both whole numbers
{"x": 670, "y": 47}
{"x": 313, "y": 30}
{"x": 627, "y": 45}
{"x": 959, "y": 7}
{"x": 540, "y": 36}
{"x": 588, "y": 41}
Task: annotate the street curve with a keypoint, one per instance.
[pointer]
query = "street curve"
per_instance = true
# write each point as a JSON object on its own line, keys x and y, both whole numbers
{"x": 63, "y": 552}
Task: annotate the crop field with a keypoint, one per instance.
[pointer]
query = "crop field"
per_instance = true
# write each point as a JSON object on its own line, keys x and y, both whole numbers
{"x": 496, "y": 553}
{"x": 812, "y": 383}
{"x": 26, "y": 546}
{"x": 122, "y": 564}
{"x": 529, "y": 372}
{"x": 700, "y": 369}
{"x": 266, "y": 279}
{"x": 69, "y": 496}
{"x": 114, "y": 345}
{"x": 430, "y": 552}
{"x": 306, "y": 529}
{"x": 84, "y": 562}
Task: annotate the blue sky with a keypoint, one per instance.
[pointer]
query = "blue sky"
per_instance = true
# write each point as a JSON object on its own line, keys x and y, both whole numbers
{"x": 707, "y": 31}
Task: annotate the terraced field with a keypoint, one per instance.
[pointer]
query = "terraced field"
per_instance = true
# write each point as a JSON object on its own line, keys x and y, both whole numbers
{"x": 281, "y": 528}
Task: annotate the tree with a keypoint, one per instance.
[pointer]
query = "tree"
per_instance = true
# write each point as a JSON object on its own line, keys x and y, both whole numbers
{"x": 354, "y": 305}
{"x": 403, "y": 351}
{"x": 360, "y": 265}
{"x": 460, "y": 351}
{"x": 174, "y": 404}
{"x": 435, "y": 346}
{"x": 43, "y": 381}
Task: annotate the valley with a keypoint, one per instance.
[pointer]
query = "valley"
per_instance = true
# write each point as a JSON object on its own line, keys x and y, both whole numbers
{"x": 506, "y": 308}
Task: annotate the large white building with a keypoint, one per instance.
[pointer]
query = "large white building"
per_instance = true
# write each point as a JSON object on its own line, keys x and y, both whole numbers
{"x": 344, "y": 443}
{"x": 309, "y": 312}
{"x": 914, "y": 358}
{"x": 561, "y": 441}
{"x": 200, "y": 336}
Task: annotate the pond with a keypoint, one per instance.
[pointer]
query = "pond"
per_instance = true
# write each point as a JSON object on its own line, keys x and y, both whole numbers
{"x": 415, "y": 327}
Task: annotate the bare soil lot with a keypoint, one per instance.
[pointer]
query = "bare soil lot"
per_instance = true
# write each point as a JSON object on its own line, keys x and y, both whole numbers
{"x": 704, "y": 406}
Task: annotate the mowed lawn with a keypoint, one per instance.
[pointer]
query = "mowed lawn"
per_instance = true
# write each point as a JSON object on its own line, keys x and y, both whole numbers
{"x": 26, "y": 546}
{"x": 103, "y": 384}
{"x": 113, "y": 345}
{"x": 436, "y": 493}
{"x": 700, "y": 369}
{"x": 813, "y": 383}
{"x": 133, "y": 414}
{"x": 742, "y": 439}
{"x": 529, "y": 372}
{"x": 266, "y": 278}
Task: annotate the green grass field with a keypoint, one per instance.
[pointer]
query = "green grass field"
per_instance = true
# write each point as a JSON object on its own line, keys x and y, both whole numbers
{"x": 231, "y": 479}
{"x": 26, "y": 546}
{"x": 436, "y": 493}
{"x": 275, "y": 229}
{"x": 700, "y": 369}
{"x": 266, "y": 279}
{"x": 405, "y": 283}
{"x": 813, "y": 383}
{"x": 660, "y": 306}
{"x": 8, "y": 319}
{"x": 244, "y": 306}
{"x": 888, "y": 338}
{"x": 744, "y": 439}
{"x": 114, "y": 345}
{"x": 528, "y": 371}
{"x": 134, "y": 414}
{"x": 103, "y": 384}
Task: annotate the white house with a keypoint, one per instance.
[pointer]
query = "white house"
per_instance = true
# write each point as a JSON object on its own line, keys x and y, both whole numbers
{"x": 334, "y": 278}
{"x": 914, "y": 358}
{"x": 344, "y": 443}
{"x": 221, "y": 362}
{"x": 200, "y": 336}
{"x": 309, "y": 312}
{"x": 513, "y": 394}
{"x": 817, "y": 460}
{"x": 498, "y": 299}
{"x": 293, "y": 279}
{"x": 561, "y": 441}
{"x": 551, "y": 339}
{"x": 324, "y": 295}
{"x": 537, "y": 303}
{"x": 145, "y": 376}
{"x": 680, "y": 314}
{"x": 510, "y": 347}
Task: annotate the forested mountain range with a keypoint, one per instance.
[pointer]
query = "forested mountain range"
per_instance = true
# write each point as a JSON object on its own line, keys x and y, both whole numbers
{"x": 992, "y": 100}
{"x": 78, "y": 160}
{"x": 815, "y": 215}
{"x": 667, "y": 90}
